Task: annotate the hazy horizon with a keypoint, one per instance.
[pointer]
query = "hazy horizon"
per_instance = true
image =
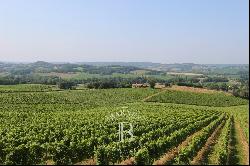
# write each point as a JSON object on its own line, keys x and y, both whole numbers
{"x": 123, "y": 62}
{"x": 160, "y": 31}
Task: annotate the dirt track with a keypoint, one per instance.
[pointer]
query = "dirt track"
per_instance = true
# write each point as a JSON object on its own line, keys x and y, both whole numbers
{"x": 202, "y": 154}
{"x": 243, "y": 142}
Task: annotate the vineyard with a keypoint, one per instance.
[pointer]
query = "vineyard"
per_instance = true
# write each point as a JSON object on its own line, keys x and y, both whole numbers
{"x": 82, "y": 127}
{"x": 201, "y": 99}
{"x": 87, "y": 98}
{"x": 26, "y": 88}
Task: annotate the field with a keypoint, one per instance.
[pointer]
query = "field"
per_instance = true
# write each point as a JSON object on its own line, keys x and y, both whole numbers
{"x": 185, "y": 74}
{"x": 201, "y": 99}
{"x": 88, "y": 98}
{"x": 160, "y": 127}
{"x": 198, "y": 90}
{"x": 61, "y": 75}
{"x": 27, "y": 88}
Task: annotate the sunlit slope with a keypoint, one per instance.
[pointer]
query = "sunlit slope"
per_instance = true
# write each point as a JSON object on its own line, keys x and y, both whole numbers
{"x": 192, "y": 98}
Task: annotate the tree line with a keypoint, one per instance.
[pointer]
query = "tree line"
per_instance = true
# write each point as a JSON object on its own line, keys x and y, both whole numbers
{"x": 240, "y": 90}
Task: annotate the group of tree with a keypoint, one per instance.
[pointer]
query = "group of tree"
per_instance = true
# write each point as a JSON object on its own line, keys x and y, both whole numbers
{"x": 217, "y": 86}
{"x": 29, "y": 74}
{"x": 241, "y": 90}
{"x": 66, "y": 84}
{"x": 45, "y": 67}
{"x": 119, "y": 82}
{"x": 215, "y": 79}
{"x": 29, "y": 79}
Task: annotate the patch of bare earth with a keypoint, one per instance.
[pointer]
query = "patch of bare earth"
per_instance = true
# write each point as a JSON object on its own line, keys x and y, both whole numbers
{"x": 185, "y": 74}
{"x": 86, "y": 162}
{"x": 171, "y": 154}
{"x": 197, "y": 90}
{"x": 243, "y": 142}
{"x": 130, "y": 161}
{"x": 211, "y": 141}
{"x": 49, "y": 162}
{"x": 148, "y": 97}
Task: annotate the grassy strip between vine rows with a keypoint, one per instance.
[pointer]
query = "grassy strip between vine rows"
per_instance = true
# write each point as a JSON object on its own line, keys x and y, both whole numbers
{"x": 221, "y": 153}
{"x": 201, "y": 99}
{"x": 154, "y": 148}
{"x": 187, "y": 153}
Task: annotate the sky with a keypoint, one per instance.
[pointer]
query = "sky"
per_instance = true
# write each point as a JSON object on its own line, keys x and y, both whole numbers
{"x": 165, "y": 31}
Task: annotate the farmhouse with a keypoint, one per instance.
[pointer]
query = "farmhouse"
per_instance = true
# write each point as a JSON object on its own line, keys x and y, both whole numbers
{"x": 159, "y": 85}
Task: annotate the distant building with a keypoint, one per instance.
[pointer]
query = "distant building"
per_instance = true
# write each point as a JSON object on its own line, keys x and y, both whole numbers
{"x": 159, "y": 86}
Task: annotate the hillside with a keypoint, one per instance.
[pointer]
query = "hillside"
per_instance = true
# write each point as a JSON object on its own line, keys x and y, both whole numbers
{"x": 192, "y": 98}
{"x": 47, "y": 126}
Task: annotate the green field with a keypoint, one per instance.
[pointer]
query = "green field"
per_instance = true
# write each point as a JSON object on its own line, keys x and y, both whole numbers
{"x": 87, "y": 98}
{"x": 202, "y": 99}
{"x": 81, "y": 126}
{"x": 27, "y": 88}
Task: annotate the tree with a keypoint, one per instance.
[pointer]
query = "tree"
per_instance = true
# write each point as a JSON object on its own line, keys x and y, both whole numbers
{"x": 152, "y": 83}
{"x": 66, "y": 85}
{"x": 224, "y": 87}
{"x": 167, "y": 84}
